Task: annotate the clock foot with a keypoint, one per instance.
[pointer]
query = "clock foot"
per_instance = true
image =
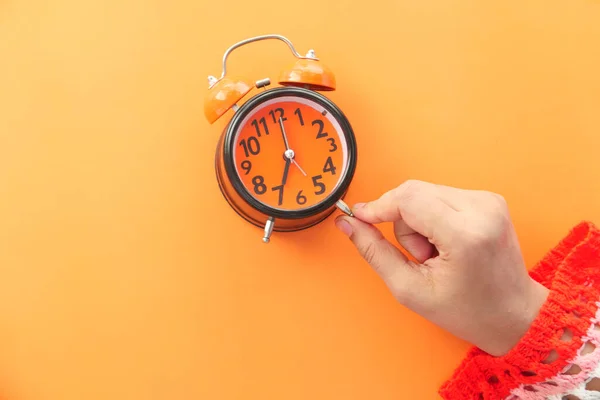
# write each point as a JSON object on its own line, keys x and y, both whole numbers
{"x": 269, "y": 229}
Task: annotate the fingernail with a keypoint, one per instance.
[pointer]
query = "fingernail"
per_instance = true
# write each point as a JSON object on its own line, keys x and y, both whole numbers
{"x": 344, "y": 226}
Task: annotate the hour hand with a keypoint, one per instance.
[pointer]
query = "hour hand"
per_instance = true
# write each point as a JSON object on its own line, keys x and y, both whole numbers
{"x": 286, "y": 171}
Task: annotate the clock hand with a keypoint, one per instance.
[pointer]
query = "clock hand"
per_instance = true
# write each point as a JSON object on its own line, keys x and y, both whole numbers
{"x": 298, "y": 165}
{"x": 289, "y": 153}
{"x": 286, "y": 171}
{"x": 285, "y": 141}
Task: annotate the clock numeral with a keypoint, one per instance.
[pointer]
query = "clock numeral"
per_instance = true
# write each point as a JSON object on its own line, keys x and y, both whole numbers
{"x": 320, "y": 185}
{"x": 256, "y": 126}
{"x": 246, "y": 166}
{"x": 329, "y": 167}
{"x": 250, "y": 147}
{"x": 280, "y": 188}
{"x": 300, "y": 198}
{"x": 259, "y": 184}
{"x": 332, "y": 145}
{"x": 280, "y": 112}
{"x": 320, "y": 134}
{"x": 299, "y": 114}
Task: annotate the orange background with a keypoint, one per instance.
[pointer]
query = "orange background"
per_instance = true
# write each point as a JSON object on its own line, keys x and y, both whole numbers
{"x": 125, "y": 275}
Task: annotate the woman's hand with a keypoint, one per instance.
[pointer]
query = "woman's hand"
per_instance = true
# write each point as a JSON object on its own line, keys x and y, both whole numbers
{"x": 469, "y": 276}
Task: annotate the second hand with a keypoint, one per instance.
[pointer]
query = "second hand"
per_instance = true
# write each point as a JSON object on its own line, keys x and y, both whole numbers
{"x": 298, "y": 165}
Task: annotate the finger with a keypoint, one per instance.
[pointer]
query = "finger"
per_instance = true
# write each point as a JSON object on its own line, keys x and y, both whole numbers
{"x": 418, "y": 204}
{"x": 399, "y": 274}
{"x": 413, "y": 242}
{"x": 456, "y": 198}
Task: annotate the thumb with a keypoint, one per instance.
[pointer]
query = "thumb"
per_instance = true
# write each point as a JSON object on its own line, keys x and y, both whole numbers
{"x": 401, "y": 275}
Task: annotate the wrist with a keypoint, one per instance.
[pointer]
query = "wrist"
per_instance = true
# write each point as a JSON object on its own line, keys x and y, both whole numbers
{"x": 533, "y": 301}
{"x": 516, "y": 319}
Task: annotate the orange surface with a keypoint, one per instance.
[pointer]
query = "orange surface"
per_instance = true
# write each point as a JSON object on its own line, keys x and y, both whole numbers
{"x": 313, "y": 154}
{"x": 124, "y": 273}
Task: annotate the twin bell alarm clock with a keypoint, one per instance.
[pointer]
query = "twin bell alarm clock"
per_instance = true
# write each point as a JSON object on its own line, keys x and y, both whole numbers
{"x": 286, "y": 158}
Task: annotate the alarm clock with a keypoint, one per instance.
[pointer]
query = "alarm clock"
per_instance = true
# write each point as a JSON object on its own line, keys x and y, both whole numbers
{"x": 287, "y": 156}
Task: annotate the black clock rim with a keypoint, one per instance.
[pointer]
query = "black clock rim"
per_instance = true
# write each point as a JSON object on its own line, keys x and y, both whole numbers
{"x": 331, "y": 107}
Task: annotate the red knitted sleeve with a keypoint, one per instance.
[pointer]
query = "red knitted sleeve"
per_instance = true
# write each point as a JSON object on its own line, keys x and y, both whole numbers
{"x": 557, "y": 357}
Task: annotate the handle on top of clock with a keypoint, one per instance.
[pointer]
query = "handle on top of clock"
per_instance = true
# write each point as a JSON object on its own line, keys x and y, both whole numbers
{"x": 309, "y": 56}
{"x": 307, "y": 72}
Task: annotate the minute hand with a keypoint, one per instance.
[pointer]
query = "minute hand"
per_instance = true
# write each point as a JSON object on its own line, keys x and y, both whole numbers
{"x": 285, "y": 141}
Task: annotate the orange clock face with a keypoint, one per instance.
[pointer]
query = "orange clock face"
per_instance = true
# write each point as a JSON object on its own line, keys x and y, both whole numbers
{"x": 290, "y": 153}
